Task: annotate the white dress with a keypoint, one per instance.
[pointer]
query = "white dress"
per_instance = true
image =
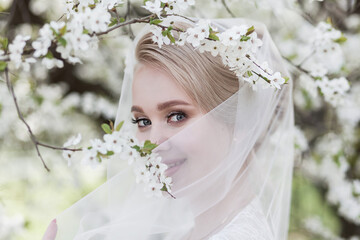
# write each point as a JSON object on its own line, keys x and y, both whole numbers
{"x": 249, "y": 224}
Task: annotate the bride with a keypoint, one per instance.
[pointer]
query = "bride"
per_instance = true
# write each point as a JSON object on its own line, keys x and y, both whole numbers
{"x": 228, "y": 148}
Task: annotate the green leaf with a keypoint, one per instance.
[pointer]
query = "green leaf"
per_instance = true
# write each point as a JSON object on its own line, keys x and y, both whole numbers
{"x": 62, "y": 41}
{"x": 244, "y": 38}
{"x": 122, "y": 19}
{"x": 250, "y": 30}
{"x": 164, "y": 188}
{"x": 341, "y": 39}
{"x": 329, "y": 21}
{"x": 62, "y": 31}
{"x": 106, "y": 128}
{"x": 54, "y": 32}
{"x": 213, "y": 36}
{"x": 109, "y": 153}
{"x": 99, "y": 158}
{"x": 286, "y": 79}
{"x": 155, "y": 21}
{"x": 38, "y": 99}
{"x": 49, "y": 55}
{"x": 118, "y": 127}
{"x": 113, "y": 21}
{"x": 136, "y": 147}
{"x": 111, "y": 125}
{"x": 164, "y": 33}
{"x": 85, "y": 31}
{"x": 149, "y": 145}
{"x": 172, "y": 39}
{"x": 4, "y": 43}
{"x": 2, "y": 65}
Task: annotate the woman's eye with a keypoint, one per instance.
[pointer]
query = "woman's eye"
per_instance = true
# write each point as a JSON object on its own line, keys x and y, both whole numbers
{"x": 176, "y": 117}
{"x": 142, "y": 122}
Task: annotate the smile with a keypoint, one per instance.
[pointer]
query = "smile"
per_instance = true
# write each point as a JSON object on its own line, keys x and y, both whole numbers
{"x": 173, "y": 166}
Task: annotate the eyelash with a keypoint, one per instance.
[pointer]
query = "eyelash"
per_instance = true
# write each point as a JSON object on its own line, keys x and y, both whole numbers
{"x": 137, "y": 120}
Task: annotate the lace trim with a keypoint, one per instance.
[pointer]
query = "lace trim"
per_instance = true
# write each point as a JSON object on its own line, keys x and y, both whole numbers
{"x": 249, "y": 224}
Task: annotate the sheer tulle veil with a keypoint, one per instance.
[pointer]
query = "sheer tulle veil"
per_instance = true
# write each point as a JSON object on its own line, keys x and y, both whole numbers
{"x": 239, "y": 159}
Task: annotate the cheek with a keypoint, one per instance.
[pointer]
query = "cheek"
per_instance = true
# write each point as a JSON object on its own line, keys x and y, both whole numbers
{"x": 205, "y": 145}
{"x": 141, "y": 136}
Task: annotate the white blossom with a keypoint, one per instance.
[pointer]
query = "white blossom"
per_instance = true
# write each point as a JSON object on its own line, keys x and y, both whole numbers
{"x": 214, "y": 47}
{"x": 159, "y": 38}
{"x": 142, "y": 173}
{"x": 16, "y": 49}
{"x": 26, "y": 64}
{"x": 114, "y": 142}
{"x": 98, "y": 146}
{"x": 90, "y": 157}
{"x": 184, "y": 4}
{"x": 334, "y": 89}
{"x": 109, "y": 4}
{"x": 42, "y": 44}
{"x": 2, "y": 55}
{"x": 85, "y": 3}
{"x": 194, "y": 36}
{"x": 154, "y": 7}
{"x": 153, "y": 189}
{"x": 50, "y": 63}
{"x": 57, "y": 25}
{"x": 96, "y": 19}
{"x": 276, "y": 80}
{"x": 300, "y": 139}
{"x": 181, "y": 39}
{"x": 318, "y": 70}
{"x": 256, "y": 42}
{"x": 72, "y": 141}
{"x": 229, "y": 38}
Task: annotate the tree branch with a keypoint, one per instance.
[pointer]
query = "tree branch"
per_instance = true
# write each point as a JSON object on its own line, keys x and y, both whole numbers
{"x": 228, "y": 9}
{"x": 132, "y": 21}
{"x": 32, "y": 136}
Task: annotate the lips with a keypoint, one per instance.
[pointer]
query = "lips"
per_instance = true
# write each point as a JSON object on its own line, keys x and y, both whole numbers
{"x": 173, "y": 166}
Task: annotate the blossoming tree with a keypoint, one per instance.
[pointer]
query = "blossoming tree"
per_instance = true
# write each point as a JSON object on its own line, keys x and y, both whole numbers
{"x": 61, "y": 62}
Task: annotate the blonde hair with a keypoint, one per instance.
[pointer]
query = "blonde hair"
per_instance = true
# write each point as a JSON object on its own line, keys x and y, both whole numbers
{"x": 203, "y": 77}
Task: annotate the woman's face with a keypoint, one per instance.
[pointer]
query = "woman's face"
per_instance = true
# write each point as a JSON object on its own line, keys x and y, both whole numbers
{"x": 161, "y": 109}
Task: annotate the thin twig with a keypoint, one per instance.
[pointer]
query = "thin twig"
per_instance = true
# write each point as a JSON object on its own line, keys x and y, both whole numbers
{"x": 128, "y": 13}
{"x": 127, "y": 10}
{"x": 306, "y": 58}
{"x": 228, "y": 9}
{"x": 60, "y": 17}
{"x": 171, "y": 195}
{"x": 187, "y": 18}
{"x": 32, "y": 136}
{"x": 11, "y": 89}
{"x": 298, "y": 67}
{"x": 132, "y": 21}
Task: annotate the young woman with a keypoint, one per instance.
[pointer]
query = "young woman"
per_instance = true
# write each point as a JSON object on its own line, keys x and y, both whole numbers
{"x": 228, "y": 150}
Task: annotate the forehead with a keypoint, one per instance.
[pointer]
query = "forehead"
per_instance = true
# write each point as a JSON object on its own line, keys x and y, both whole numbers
{"x": 152, "y": 85}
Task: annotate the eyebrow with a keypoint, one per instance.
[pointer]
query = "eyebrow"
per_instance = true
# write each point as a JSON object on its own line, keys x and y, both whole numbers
{"x": 161, "y": 106}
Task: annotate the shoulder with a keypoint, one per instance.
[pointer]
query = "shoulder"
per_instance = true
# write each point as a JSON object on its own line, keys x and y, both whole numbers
{"x": 249, "y": 224}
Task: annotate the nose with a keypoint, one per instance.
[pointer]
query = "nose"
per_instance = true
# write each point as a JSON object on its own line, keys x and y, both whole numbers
{"x": 160, "y": 135}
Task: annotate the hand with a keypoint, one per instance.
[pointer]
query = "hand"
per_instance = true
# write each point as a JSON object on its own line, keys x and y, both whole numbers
{"x": 51, "y": 231}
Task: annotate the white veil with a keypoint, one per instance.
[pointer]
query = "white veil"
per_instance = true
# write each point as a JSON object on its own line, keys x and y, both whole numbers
{"x": 234, "y": 184}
